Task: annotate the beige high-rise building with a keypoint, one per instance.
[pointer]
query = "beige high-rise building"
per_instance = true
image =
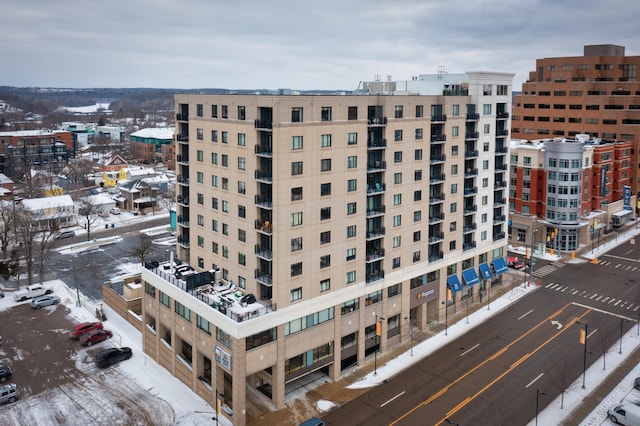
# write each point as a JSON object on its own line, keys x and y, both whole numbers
{"x": 314, "y": 231}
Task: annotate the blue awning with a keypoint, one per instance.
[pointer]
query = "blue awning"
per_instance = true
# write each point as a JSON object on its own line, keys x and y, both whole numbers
{"x": 454, "y": 283}
{"x": 470, "y": 277}
{"x": 485, "y": 271}
{"x": 500, "y": 265}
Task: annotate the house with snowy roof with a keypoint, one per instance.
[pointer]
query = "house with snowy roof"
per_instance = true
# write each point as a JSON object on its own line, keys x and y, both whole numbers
{"x": 52, "y": 212}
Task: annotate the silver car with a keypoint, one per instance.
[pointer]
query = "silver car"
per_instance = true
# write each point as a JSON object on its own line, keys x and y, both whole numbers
{"x": 49, "y": 299}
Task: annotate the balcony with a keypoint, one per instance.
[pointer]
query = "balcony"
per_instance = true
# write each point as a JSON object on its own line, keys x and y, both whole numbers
{"x": 499, "y": 236}
{"x": 263, "y": 125}
{"x": 471, "y": 172}
{"x": 471, "y": 135}
{"x": 502, "y": 167}
{"x": 264, "y": 202}
{"x": 265, "y": 176}
{"x": 182, "y": 158}
{"x": 376, "y": 188}
{"x": 502, "y": 150}
{"x": 183, "y": 220}
{"x": 438, "y": 158}
{"x": 376, "y": 211}
{"x": 377, "y": 144}
{"x": 434, "y": 257}
{"x": 263, "y": 150}
{"x": 469, "y": 246}
{"x": 374, "y": 255}
{"x": 376, "y": 166}
{"x": 436, "y": 218}
{"x": 263, "y": 277}
{"x": 263, "y": 252}
{"x": 473, "y": 117}
{"x": 436, "y": 237}
{"x": 502, "y": 115}
{"x": 467, "y": 229}
{"x": 436, "y": 198}
{"x": 499, "y": 219}
{"x": 183, "y": 179}
{"x": 473, "y": 153}
{"x": 374, "y": 276}
{"x": 375, "y": 234}
{"x": 499, "y": 202}
{"x": 183, "y": 241}
{"x": 438, "y": 138}
{"x": 182, "y": 200}
{"x": 438, "y": 118}
{"x": 470, "y": 209}
{"x": 439, "y": 178}
{"x": 182, "y": 117}
{"x": 182, "y": 138}
{"x": 471, "y": 190}
{"x": 502, "y": 132}
{"x": 264, "y": 227}
{"x": 377, "y": 121}
{"x": 500, "y": 184}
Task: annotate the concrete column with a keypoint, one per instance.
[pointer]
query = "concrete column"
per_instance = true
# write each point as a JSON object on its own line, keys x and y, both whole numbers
{"x": 239, "y": 380}
{"x": 277, "y": 372}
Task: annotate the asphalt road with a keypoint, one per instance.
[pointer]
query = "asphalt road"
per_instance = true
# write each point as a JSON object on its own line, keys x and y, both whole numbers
{"x": 491, "y": 375}
{"x": 92, "y": 268}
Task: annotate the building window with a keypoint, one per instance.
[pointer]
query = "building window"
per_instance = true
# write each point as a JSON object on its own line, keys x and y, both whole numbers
{"x": 200, "y": 134}
{"x": 296, "y": 168}
{"x": 351, "y": 208}
{"x": 296, "y": 269}
{"x": 325, "y": 189}
{"x": 325, "y": 165}
{"x": 397, "y": 220}
{"x": 325, "y": 114}
{"x": 417, "y": 216}
{"x": 416, "y": 236}
{"x": 352, "y": 138}
{"x": 352, "y": 113}
{"x": 325, "y": 261}
{"x": 486, "y": 109}
{"x": 351, "y": 254}
{"x": 373, "y": 298}
{"x": 325, "y": 285}
{"x": 214, "y": 136}
{"x": 417, "y": 195}
{"x": 242, "y": 139}
{"x": 325, "y": 213}
{"x": 296, "y": 294}
{"x": 418, "y": 134}
{"x": 396, "y": 241}
{"x": 225, "y": 160}
{"x": 242, "y": 187}
{"x": 417, "y": 154}
{"x": 397, "y": 199}
{"x": 296, "y": 244}
{"x": 397, "y": 157}
{"x": 225, "y": 111}
{"x": 165, "y": 299}
{"x": 396, "y": 263}
{"x": 242, "y": 235}
{"x": 183, "y": 311}
{"x": 419, "y": 111}
{"x": 296, "y": 219}
{"x": 325, "y": 237}
{"x": 225, "y": 137}
{"x": 296, "y": 115}
{"x": 296, "y": 193}
{"x": 242, "y": 163}
{"x": 417, "y": 175}
{"x": 351, "y": 231}
{"x": 242, "y": 114}
{"x": 394, "y": 290}
{"x": 214, "y": 111}
{"x": 325, "y": 141}
{"x": 397, "y": 135}
{"x": 352, "y": 185}
{"x": 242, "y": 259}
{"x": 351, "y": 277}
{"x": 200, "y": 177}
{"x": 398, "y": 111}
{"x": 296, "y": 142}
{"x": 455, "y": 131}
{"x": 397, "y": 178}
{"x": 352, "y": 162}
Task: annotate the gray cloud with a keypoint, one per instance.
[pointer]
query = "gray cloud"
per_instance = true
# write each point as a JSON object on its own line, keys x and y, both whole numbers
{"x": 296, "y": 44}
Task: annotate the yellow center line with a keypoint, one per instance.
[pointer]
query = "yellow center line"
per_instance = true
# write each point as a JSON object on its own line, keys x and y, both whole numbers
{"x": 480, "y": 365}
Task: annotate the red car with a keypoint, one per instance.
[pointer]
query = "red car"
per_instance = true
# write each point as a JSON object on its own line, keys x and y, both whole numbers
{"x": 515, "y": 263}
{"x": 95, "y": 336}
{"x": 84, "y": 328}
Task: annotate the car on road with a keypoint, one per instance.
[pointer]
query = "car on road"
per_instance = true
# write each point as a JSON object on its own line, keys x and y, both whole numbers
{"x": 64, "y": 234}
{"x": 515, "y": 263}
{"x": 94, "y": 337}
{"x": 5, "y": 373}
{"x": 112, "y": 356}
{"x": 47, "y": 300}
{"x": 9, "y": 393}
{"x": 85, "y": 328}
{"x": 115, "y": 210}
{"x": 625, "y": 414}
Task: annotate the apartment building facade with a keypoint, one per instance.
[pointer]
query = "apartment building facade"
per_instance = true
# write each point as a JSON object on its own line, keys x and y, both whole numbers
{"x": 315, "y": 231}
{"x": 153, "y": 145}
{"x": 45, "y": 149}
{"x": 596, "y": 94}
{"x": 564, "y": 191}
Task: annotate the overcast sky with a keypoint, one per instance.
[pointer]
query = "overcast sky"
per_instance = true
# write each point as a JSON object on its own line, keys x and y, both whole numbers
{"x": 271, "y": 44}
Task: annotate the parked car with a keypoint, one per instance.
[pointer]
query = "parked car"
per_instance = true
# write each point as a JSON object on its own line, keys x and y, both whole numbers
{"x": 95, "y": 336}
{"x": 515, "y": 263}
{"x": 40, "y": 301}
{"x": 5, "y": 373}
{"x": 64, "y": 234}
{"x": 85, "y": 328}
{"x": 32, "y": 291}
{"x": 9, "y": 393}
{"x": 112, "y": 356}
{"x": 625, "y": 414}
{"x": 114, "y": 210}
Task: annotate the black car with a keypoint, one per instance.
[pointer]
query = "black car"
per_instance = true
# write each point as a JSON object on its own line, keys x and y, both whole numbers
{"x": 112, "y": 356}
{"x": 5, "y": 373}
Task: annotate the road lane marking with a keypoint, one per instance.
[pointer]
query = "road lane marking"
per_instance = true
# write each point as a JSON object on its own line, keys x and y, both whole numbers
{"x": 534, "y": 380}
{"x": 622, "y": 258}
{"x": 602, "y": 311}
{"x": 524, "y": 315}
{"x": 469, "y": 350}
{"x": 393, "y": 399}
{"x": 486, "y": 361}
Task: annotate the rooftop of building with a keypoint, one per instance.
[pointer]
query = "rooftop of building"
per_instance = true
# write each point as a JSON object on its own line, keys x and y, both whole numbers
{"x": 163, "y": 133}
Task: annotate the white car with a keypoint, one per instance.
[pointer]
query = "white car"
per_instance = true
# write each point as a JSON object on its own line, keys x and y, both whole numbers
{"x": 114, "y": 210}
{"x": 49, "y": 299}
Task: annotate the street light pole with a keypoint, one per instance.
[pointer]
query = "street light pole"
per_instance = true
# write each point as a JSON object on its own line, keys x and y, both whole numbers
{"x": 375, "y": 352}
{"x": 446, "y": 315}
{"x": 534, "y": 231}
{"x": 538, "y": 393}
{"x": 621, "y": 322}
{"x": 410, "y": 334}
{"x": 584, "y": 360}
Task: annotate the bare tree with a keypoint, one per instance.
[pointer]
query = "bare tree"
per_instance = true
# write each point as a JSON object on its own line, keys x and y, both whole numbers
{"x": 167, "y": 200}
{"x": 43, "y": 248}
{"x": 7, "y": 225}
{"x": 89, "y": 213}
{"x": 26, "y": 232}
{"x": 143, "y": 248}
{"x": 78, "y": 170}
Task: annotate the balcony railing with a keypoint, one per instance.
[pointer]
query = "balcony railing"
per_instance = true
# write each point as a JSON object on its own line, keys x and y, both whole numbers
{"x": 434, "y": 257}
{"x": 438, "y": 118}
{"x": 376, "y": 188}
{"x": 375, "y": 233}
{"x": 436, "y": 237}
{"x": 469, "y": 246}
{"x": 473, "y": 153}
{"x": 264, "y": 176}
{"x": 263, "y": 252}
{"x": 438, "y": 138}
{"x": 471, "y": 172}
{"x": 499, "y": 236}
{"x": 263, "y": 277}
{"x": 376, "y": 210}
{"x": 181, "y": 158}
{"x": 183, "y": 200}
{"x": 183, "y": 241}
{"x": 436, "y": 218}
{"x": 374, "y": 276}
{"x": 264, "y": 226}
{"x": 436, "y": 198}
{"x": 263, "y": 124}
{"x": 472, "y": 135}
{"x": 182, "y": 138}
{"x": 502, "y": 115}
{"x": 438, "y": 158}
{"x": 501, "y": 166}
{"x": 502, "y": 132}
{"x": 374, "y": 255}
{"x": 263, "y": 150}
{"x": 264, "y": 202}
{"x": 500, "y": 202}
{"x": 377, "y": 121}
{"x": 466, "y": 229}
{"x": 377, "y": 144}
{"x": 377, "y": 165}
{"x": 182, "y": 117}
{"x": 470, "y": 209}
{"x": 471, "y": 190}
{"x": 437, "y": 178}
{"x": 502, "y": 150}
{"x": 182, "y": 179}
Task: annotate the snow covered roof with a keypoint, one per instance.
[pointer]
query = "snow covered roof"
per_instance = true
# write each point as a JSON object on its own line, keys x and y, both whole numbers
{"x": 4, "y": 179}
{"x": 27, "y": 133}
{"x": 100, "y": 199}
{"x": 47, "y": 202}
{"x": 155, "y": 133}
